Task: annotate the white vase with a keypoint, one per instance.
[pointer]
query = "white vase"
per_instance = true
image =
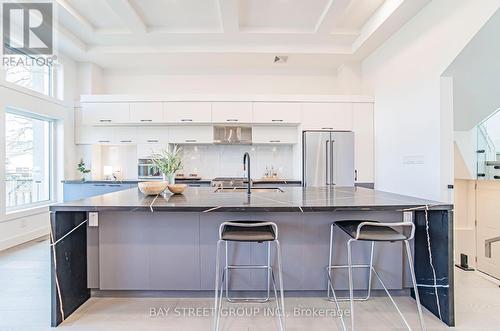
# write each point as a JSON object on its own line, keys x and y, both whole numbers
{"x": 169, "y": 178}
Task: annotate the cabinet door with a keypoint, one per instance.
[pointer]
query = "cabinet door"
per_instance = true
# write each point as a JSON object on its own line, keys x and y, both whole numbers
{"x": 277, "y": 112}
{"x": 86, "y": 135}
{"x": 232, "y": 112}
{"x": 327, "y": 116}
{"x": 274, "y": 135}
{"x": 202, "y": 134}
{"x": 105, "y": 113}
{"x": 125, "y": 135}
{"x": 146, "y": 112}
{"x": 363, "y": 127}
{"x": 188, "y": 112}
{"x": 152, "y": 135}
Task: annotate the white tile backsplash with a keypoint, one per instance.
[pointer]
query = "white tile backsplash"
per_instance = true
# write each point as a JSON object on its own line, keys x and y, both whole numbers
{"x": 210, "y": 161}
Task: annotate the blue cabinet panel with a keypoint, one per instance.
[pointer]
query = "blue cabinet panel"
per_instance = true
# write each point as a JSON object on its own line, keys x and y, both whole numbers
{"x": 76, "y": 191}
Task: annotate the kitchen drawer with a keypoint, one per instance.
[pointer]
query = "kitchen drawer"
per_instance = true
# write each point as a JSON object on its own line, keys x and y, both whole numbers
{"x": 277, "y": 112}
{"x": 202, "y": 134}
{"x": 146, "y": 112}
{"x": 327, "y": 116}
{"x": 105, "y": 113}
{"x": 188, "y": 112}
{"x": 274, "y": 134}
{"x": 152, "y": 135}
{"x": 232, "y": 112}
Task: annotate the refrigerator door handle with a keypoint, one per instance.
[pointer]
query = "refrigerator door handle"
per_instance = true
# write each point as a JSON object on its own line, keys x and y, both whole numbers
{"x": 327, "y": 182}
{"x": 331, "y": 162}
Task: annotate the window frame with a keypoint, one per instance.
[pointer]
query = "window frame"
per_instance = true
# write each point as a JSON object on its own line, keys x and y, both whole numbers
{"x": 51, "y": 82}
{"x": 50, "y": 155}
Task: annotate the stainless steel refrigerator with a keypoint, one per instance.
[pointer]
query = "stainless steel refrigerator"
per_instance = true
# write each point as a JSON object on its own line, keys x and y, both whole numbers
{"x": 328, "y": 158}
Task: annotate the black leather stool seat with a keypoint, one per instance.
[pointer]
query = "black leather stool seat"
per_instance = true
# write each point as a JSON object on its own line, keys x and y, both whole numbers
{"x": 370, "y": 232}
{"x": 249, "y": 234}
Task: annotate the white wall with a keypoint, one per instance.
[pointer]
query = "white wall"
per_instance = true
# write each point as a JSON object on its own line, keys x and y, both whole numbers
{"x": 404, "y": 75}
{"x": 465, "y": 154}
{"x": 120, "y": 83}
{"x": 347, "y": 81}
{"x": 476, "y": 77}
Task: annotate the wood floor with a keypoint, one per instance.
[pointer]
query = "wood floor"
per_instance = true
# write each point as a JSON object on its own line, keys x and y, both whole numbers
{"x": 25, "y": 306}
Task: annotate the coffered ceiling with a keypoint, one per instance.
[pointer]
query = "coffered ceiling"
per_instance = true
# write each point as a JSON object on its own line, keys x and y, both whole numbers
{"x": 213, "y": 35}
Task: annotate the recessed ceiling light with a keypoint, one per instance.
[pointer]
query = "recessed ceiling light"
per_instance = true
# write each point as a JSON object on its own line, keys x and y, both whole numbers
{"x": 280, "y": 59}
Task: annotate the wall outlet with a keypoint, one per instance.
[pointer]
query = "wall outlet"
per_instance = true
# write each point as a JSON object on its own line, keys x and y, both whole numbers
{"x": 93, "y": 219}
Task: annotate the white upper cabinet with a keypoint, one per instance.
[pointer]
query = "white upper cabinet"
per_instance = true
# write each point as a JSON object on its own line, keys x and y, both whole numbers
{"x": 201, "y": 134}
{"x": 363, "y": 141}
{"x": 267, "y": 134}
{"x": 188, "y": 112}
{"x": 327, "y": 116}
{"x": 232, "y": 112}
{"x": 152, "y": 135}
{"x": 277, "y": 112}
{"x": 146, "y": 112}
{"x": 105, "y": 113}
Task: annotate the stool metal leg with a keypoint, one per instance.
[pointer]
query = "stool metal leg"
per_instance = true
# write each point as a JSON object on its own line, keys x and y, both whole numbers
{"x": 269, "y": 269}
{"x": 329, "y": 269}
{"x": 351, "y": 285}
{"x": 415, "y": 288}
{"x": 280, "y": 275}
{"x": 218, "y": 301}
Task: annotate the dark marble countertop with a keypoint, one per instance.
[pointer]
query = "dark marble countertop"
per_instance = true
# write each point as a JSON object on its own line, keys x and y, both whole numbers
{"x": 130, "y": 181}
{"x": 179, "y": 180}
{"x": 292, "y": 199}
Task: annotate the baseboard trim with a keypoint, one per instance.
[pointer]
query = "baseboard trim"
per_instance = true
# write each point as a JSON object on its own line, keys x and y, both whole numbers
{"x": 23, "y": 238}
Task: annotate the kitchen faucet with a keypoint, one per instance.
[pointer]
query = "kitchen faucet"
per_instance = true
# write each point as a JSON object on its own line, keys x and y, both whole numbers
{"x": 246, "y": 159}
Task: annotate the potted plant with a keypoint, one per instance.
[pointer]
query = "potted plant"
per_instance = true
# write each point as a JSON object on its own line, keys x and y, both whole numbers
{"x": 168, "y": 163}
{"x": 83, "y": 170}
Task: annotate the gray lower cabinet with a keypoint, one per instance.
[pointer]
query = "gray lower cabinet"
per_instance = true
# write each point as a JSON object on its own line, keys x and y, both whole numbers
{"x": 149, "y": 251}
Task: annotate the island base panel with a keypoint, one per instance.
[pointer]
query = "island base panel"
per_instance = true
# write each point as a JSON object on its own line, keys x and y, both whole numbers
{"x": 69, "y": 288}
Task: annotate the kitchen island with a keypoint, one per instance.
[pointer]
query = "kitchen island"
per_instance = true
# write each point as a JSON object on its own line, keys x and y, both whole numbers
{"x": 126, "y": 241}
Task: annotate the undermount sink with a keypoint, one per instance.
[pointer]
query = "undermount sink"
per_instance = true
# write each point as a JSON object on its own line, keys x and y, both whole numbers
{"x": 254, "y": 189}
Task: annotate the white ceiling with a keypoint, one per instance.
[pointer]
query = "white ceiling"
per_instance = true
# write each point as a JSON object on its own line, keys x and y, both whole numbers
{"x": 218, "y": 35}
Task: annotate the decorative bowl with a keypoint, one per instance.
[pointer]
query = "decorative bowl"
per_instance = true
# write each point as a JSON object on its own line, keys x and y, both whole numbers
{"x": 177, "y": 188}
{"x": 152, "y": 188}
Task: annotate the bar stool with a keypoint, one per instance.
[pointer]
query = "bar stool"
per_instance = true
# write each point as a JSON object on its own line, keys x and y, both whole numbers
{"x": 372, "y": 231}
{"x": 250, "y": 232}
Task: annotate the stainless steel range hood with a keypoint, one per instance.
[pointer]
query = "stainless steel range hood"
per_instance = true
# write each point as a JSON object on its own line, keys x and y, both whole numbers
{"x": 233, "y": 135}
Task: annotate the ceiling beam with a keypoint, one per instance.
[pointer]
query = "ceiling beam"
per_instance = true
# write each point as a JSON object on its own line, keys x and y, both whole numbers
{"x": 330, "y": 15}
{"x": 229, "y": 16}
{"x": 129, "y": 15}
{"x": 69, "y": 44}
{"x": 66, "y": 7}
{"x": 384, "y": 23}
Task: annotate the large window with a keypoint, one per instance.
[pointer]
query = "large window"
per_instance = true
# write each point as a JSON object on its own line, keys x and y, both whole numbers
{"x": 24, "y": 72}
{"x": 28, "y": 156}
